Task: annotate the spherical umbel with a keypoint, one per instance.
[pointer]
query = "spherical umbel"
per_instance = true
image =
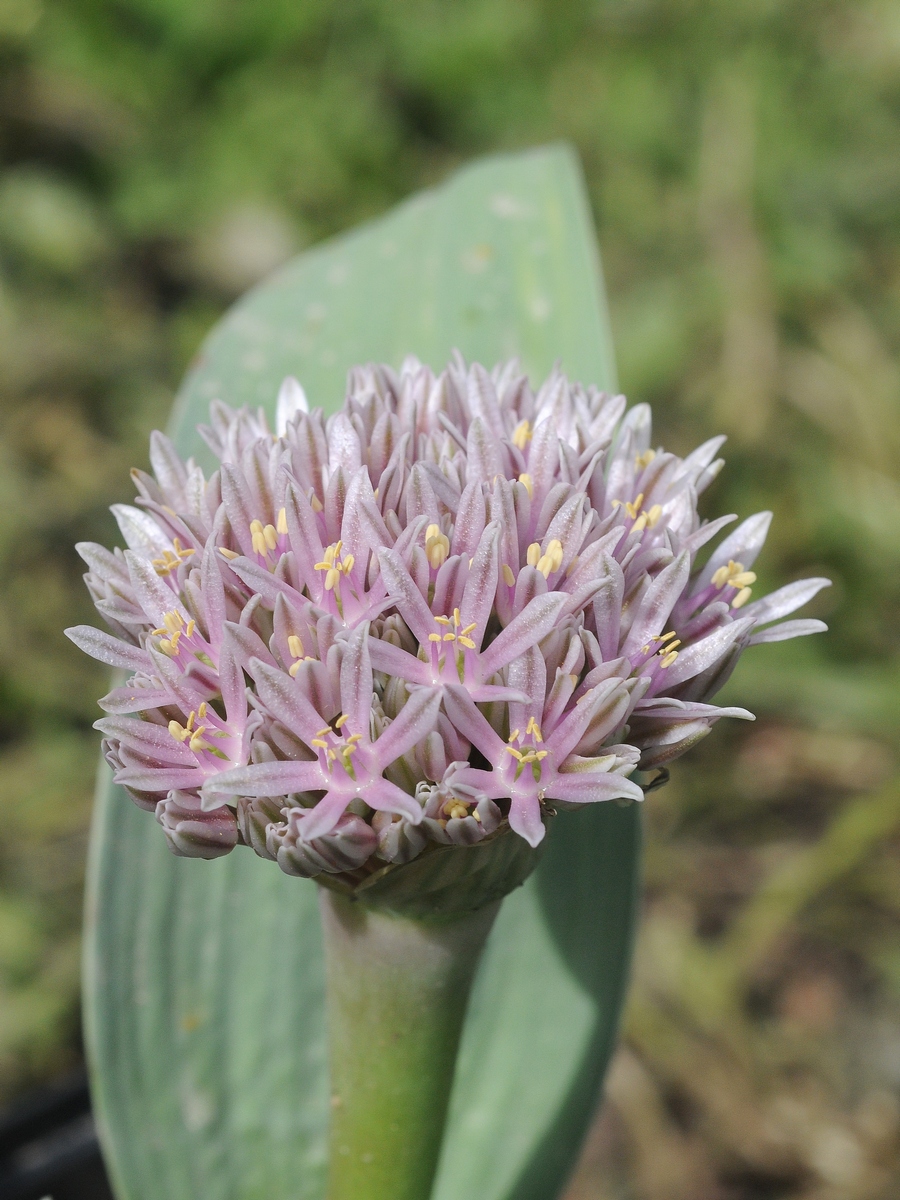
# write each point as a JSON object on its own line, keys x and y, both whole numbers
{"x": 427, "y": 622}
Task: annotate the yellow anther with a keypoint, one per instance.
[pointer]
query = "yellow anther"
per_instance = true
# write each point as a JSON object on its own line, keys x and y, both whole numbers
{"x": 178, "y": 732}
{"x": 443, "y": 620}
{"x": 669, "y": 659}
{"x": 645, "y": 459}
{"x": 170, "y": 561}
{"x": 742, "y": 597}
{"x": 551, "y": 559}
{"x": 449, "y": 637}
{"x": 173, "y": 621}
{"x": 653, "y": 514}
{"x": 533, "y": 728}
{"x": 353, "y": 738}
{"x": 258, "y": 538}
{"x": 315, "y": 503}
{"x": 202, "y": 710}
{"x": 165, "y": 564}
{"x": 228, "y": 553}
{"x": 467, "y": 642}
{"x": 347, "y": 753}
{"x": 456, "y": 809}
{"x": 435, "y": 637}
{"x": 295, "y": 646}
{"x": 514, "y": 736}
{"x": 640, "y": 523}
{"x": 320, "y": 742}
{"x": 720, "y": 577}
{"x": 634, "y": 507}
{"x": 671, "y": 646}
{"x": 457, "y": 619}
{"x": 191, "y": 626}
{"x": 508, "y": 578}
{"x": 341, "y": 721}
{"x": 437, "y": 546}
{"x": 271, "y": 535}
{"x": 517, "y": 754}
{"x": 294, "y": 668}
{"x": 522, "y": 435}
{"x": 527, "y": 482}
{"x": 665, "y": 637}
{"x": 468, "y": 629}
{"x": 281, "y": 522}
{"x": 197, "y": 741}
{"x": 334, "y": 567}
{"x": 734, "y": 576}
{"x": 533, "y": 555}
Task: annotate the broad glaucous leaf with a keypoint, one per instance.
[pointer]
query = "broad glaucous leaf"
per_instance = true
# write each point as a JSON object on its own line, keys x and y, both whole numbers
{"x": 204, "y": 980}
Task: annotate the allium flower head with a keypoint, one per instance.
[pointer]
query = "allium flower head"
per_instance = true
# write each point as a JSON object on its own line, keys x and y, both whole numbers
{"x": 435, "y": 617}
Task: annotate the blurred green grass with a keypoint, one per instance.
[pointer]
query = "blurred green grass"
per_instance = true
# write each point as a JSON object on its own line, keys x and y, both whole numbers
{"x": 742, "y": 158}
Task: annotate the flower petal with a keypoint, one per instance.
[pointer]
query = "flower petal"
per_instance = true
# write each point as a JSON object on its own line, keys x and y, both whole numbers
{"x": 788, "y": 629}
{"x": 287, "y": 701}
{"x": 525, "y": 818}
{"x": 472, "y": 724}
{"x": 534, "y": 622}
{"x": 357, "y": 681}
{"x": 407, "y": 597}
{"x": 785, "y": 600}
{"x": 108, "y": 649}
{"x": 412, "y": 725}
{"x": 582, "y": 787}
{"x": 481, "y": 584}
{"x": 267, "y": 779}
{"x": 697, "y": 657}
{"x": 291, "y": 400}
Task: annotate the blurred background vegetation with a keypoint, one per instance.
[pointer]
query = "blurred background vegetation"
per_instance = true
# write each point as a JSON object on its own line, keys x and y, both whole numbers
{"x": 743, "y": 158}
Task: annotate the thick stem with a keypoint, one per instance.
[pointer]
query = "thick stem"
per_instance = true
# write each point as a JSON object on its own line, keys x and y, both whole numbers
{"x": 397, "y": 994}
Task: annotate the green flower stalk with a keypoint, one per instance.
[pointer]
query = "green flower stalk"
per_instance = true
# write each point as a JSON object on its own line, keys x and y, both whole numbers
{"x": 384, "y": 649}
{"x": 397, "y": 989}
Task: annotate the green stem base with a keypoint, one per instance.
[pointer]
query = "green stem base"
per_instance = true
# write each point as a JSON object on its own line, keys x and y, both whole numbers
{"x": 397, "y": 994}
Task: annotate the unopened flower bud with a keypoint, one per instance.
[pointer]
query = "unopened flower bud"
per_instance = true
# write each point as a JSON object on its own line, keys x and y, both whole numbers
{"x": 456, "y": 814}
{"x": 146, "y": 800}
{"x": 346, "y": 848}
{"x": 193, "y": 833}
{"x": 254, "y": 818}
{"x": 398, "y": 840}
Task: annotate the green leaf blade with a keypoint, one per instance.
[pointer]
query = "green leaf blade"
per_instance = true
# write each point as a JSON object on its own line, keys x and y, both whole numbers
{"x": 204, "y": 982}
